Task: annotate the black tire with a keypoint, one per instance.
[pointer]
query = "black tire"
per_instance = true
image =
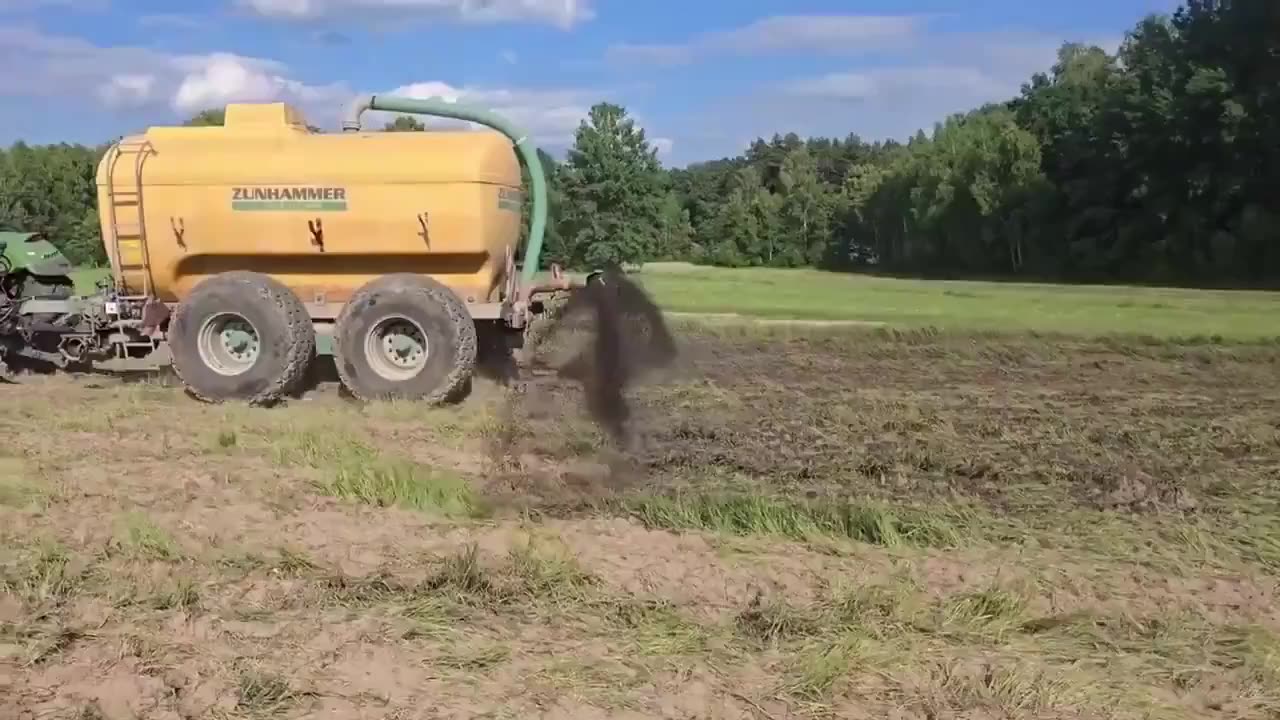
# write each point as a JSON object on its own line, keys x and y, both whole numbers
{"x": 287, "y": 339}
{"x": 438, "y": 314}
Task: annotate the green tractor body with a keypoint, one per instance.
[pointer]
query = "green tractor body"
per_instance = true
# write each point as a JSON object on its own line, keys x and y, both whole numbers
{"x": 33, "y": 267}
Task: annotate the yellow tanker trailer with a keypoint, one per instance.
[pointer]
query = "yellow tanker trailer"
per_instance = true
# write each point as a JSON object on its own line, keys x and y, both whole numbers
{"x": 247, "y": 247}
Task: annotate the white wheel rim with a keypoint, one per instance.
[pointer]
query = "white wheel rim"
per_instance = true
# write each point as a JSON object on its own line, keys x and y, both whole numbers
{"x": 396, "y": 348}
{"x": 228, "y": 344}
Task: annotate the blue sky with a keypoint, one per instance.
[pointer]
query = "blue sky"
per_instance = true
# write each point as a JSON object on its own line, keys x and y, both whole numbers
{"x": 703, "y": 77}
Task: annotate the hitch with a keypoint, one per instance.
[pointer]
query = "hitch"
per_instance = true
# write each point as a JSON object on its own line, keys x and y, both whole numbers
{"x": 530, "y": 301}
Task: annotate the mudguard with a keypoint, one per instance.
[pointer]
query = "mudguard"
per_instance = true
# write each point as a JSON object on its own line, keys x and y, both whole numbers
{"x": 33, "y": 253}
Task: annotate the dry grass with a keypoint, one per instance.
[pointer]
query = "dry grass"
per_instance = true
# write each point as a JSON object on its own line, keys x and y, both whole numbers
{"x": 816, "y": 524}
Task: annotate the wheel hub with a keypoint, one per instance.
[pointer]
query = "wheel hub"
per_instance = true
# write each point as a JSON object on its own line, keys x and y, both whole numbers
{"x": 228, "y": 344}
{"x": 397, "y": 348}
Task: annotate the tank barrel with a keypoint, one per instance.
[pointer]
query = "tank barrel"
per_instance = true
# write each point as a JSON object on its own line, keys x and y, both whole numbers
{"x": 525, "y": 150}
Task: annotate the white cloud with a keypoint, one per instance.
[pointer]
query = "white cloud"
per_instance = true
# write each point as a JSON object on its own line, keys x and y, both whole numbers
{"x": 549, "y": 116}
{"x": 148, "y": 82}
{"x": 838, "y": 34}
{"x": 918, "y": 69}
{"x": 897, "y": 83}
{"x": 945, "y": 72}
{"x": 560, "y": 13}
{"x": 128, "y": 90}
{"x": 125, "y": 77}
{"x": 217, "y": 79}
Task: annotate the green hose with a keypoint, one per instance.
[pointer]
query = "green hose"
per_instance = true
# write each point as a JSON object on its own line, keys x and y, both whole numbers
{"x": 525, "y": 150}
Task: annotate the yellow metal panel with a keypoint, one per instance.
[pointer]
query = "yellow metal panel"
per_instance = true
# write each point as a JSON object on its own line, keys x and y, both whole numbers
{"x": 323, "y": 213}
{"x": 280, "y": 115}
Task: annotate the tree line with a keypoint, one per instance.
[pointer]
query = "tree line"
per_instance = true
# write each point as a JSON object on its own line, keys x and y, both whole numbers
{"x": 1159, "y": 163}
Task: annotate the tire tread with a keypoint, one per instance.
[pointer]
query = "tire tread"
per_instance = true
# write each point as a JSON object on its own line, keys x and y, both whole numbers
{"x": 300, "y": 338}
{"x": 436, "y": 293}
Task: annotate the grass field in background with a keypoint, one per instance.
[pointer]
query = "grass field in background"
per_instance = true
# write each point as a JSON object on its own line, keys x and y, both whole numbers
{"x": 964, "y": 305}
{"x": 949, "y": 305}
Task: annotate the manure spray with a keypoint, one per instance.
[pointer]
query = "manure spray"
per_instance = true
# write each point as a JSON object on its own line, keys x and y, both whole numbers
{"x": 630, "y": 337}
{"x": 603, "y": 338}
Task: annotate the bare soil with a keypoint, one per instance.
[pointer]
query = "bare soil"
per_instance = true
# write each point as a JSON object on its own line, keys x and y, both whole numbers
{"x": 805, "y": 522}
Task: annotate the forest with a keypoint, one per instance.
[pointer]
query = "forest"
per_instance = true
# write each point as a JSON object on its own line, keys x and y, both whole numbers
{"x": 1158, "y": 164}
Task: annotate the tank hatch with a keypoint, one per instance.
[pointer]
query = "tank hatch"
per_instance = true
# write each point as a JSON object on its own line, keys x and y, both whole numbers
{"x": 264, "y": 114}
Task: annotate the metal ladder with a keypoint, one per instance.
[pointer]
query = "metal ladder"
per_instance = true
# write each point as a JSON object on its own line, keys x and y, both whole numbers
{"x": 128, "y": 199}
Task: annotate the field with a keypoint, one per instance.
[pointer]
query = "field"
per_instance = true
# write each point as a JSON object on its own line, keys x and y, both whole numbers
{"x": 815, "y": 521}
{"x": 835, "y": 298}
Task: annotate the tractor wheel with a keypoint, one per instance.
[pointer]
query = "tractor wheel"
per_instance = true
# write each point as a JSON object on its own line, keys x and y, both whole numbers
{"x": 405, "y": 336}
{"x": 241, "y": 336}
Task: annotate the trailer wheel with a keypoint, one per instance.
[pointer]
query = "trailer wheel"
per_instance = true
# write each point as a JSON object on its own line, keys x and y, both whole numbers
{"x": 241, "y": 336}
{"x": 405, "y": 336}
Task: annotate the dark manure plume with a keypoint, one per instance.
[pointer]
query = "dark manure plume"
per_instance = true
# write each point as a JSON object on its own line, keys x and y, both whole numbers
{"x": 602, "y": 338}
{"x": 628, "y": 336}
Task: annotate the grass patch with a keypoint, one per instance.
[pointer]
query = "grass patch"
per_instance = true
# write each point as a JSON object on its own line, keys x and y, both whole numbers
{"x": 986, "y": 606}
{"x": 528, "y": 575}
{"x": 526, "y": 578}
{"x": 473, "y": 659}
{"x": 814, "y": 673}
{"x": 260, "y": 691}
{"x": 962, "y": 305}
{"x": 978, "y": 649}
{"x": 804, "y": 521}
{"x": 453, "y": 424}
{"x": 43, "y": 577}
{"x": 1000, "y": 687}
{"x": 17, "y": 490}
{"x": 1182, "y": 648}
{"x": 768, "y": 621}
{"x": 406, "y": 485}
{"x": 345, "y": 591}
{"x": 551, "y": 574}
{"x": 137, "y": 535}
{"x": 225, "y": 440}
{"x": 182, "y": 594}
{"x": 877, "y": 610}
{"x": 656, "y": 628}
{"x": 431, "y": 617}
{"x": 603, "y": 682}
{"x": 294, "y": 563}
{"x": 1256, "y": 541}
{"x": 320, "y": 449}
{"x": 45, "y": 642}
{"x": 356, "y": 471}
{"x": 463, "y": 578}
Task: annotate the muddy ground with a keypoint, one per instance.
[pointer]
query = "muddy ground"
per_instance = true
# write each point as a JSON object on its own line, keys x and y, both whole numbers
{"x": 808, "y": 522}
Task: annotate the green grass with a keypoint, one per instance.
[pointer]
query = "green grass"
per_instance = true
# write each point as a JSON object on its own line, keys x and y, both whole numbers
{"x": 949, "y": 305}
{"x": 137, "y": 534}
{"x": 86, "y": 279}
{"x": 357, "y": 471}
{"x": 405, "y": 485}
{"x": 17, "y": 489}
{"x": 964, "y": 305}
{"x": 262, "y": 691}
{"x": 747, "y": 515}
